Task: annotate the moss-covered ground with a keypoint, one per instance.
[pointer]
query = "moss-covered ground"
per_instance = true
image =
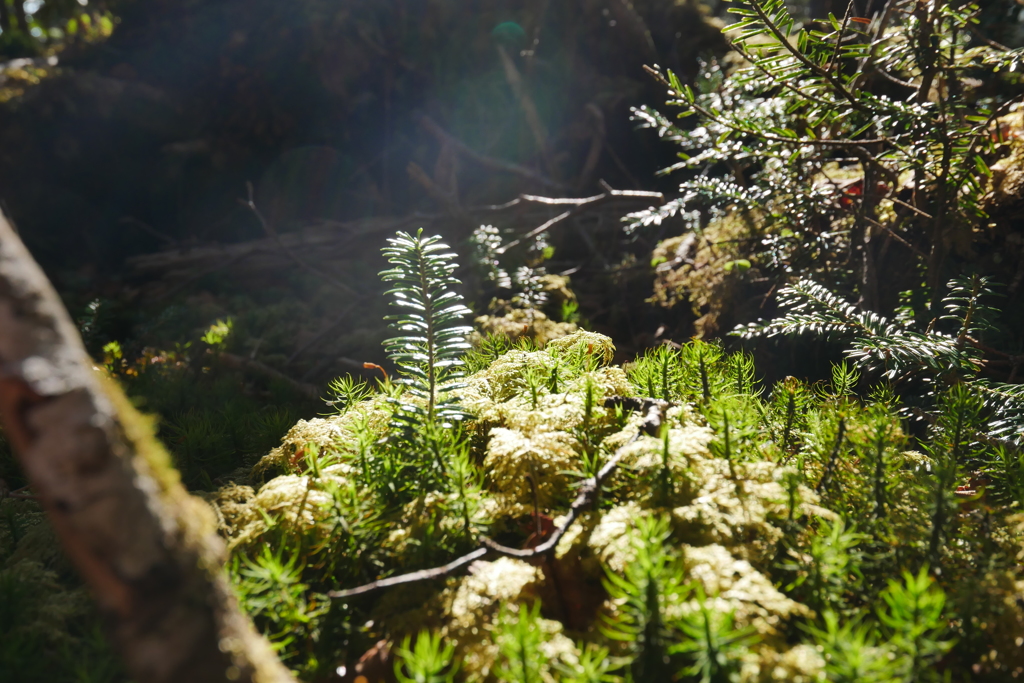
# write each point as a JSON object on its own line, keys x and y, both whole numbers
{"x": 794, "y": 532}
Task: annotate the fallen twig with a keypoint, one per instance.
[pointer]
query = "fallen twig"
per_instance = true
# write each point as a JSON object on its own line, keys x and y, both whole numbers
{"x": 578, "y": 206}
{"x": 414, "y": 577}
{"x": 584, "y": 499}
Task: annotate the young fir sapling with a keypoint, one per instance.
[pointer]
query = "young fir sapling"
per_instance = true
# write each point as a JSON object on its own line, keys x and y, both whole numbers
{"x": 428, "y": 353}
{"x": 429, "y": 349}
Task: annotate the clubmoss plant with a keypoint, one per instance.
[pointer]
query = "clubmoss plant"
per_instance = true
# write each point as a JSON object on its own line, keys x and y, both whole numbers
{"x": 712, "y": 648}
{"x": 428, "y": 661}
{"x": 912, "y": 616}
{"x": 649, "y": 586}
{"x": 854, "y": 650}
{"x": 519, "y": 641}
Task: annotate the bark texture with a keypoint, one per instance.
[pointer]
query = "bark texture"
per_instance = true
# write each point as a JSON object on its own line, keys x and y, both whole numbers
{"x": 147, "y": 548}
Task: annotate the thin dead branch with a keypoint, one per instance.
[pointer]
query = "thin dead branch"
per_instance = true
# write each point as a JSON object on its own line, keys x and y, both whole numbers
{"x": 414, "y": 577}
{"x": 589, "y": 490}
{"x": 578, "y": 206}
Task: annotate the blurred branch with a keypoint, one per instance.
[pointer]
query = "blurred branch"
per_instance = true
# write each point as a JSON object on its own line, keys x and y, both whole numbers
{"x": 447, "y": 201}
{"x": 147, "y": 549}
{"x": 488, "y": 162}
{"x": 147, "y": 228}
{"x": 597, "y": 143}
{"x": 327, "y": 328}
{"x": 269, "y": 230}
{"x": 515, "y": 81}
{"x": 627, "y": 16}
{"x": 337, "y": 242}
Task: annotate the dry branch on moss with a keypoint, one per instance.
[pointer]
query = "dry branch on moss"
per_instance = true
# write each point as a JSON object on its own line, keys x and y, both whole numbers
{"x": 653, "y": 411}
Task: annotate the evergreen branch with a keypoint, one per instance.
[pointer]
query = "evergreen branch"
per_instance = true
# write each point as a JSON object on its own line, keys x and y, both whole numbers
{"x": 1006, "y": 403}
{"x": 691, "y": 102}
{"x": 873, "y": 339}
{"x": 786, "y": 83}
{"x": 783, "y": 40}
{"x": 876, "y": 342}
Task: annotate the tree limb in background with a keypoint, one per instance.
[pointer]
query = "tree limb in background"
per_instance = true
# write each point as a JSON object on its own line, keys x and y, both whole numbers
{"x": 444, "y": 137}
{"x": 334, "y": 243}
{"x": 515, "y": 81}
{"x": 147, "y": 549}
{"x": 268, "y": 229}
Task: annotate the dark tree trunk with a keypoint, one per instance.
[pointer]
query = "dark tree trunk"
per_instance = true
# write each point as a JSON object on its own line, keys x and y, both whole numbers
{"x": 20, "y": 20}
{"x": 5, "y": 16}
